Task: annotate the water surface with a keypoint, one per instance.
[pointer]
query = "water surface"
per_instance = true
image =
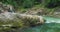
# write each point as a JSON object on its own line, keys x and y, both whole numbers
{"x": 51, "y": 25}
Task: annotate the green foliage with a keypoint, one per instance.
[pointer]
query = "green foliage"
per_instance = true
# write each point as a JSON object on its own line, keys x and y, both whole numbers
{"x": 52, "y": 3}
{"x": 31, "y": 3}
{"x": 20, "y": 5}
{"x": 16, "y": 3}
{"x": 28, "y": 3}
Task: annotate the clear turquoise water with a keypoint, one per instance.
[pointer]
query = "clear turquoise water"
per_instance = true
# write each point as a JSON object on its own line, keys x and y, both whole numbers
{"x": 52, "y": 26}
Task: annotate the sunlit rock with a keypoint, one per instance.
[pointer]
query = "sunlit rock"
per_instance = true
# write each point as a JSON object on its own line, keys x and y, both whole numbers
{"x": 27, "y": 19}
{"x": 33, "y": 19}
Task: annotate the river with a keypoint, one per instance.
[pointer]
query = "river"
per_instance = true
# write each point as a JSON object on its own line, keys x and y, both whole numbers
{"x": 51, "y": 25}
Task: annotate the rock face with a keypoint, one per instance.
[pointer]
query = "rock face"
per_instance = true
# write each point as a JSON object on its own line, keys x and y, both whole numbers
{"x": 27, "y": 19}
{"x": 35, "y": 18}
{"x": 8, "y": 16}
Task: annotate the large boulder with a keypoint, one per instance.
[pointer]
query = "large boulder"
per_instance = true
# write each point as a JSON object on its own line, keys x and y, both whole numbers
{"x": 26, "y": 19}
